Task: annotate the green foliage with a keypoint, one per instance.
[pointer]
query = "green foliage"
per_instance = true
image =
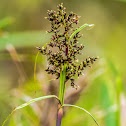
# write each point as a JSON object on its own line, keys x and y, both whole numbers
{"x": 24, "y": 39}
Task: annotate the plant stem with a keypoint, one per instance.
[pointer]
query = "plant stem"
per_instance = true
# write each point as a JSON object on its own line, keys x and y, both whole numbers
{"x": 59, "y": 115}
{"x": 61, "y": 94}
{"x": 62, "y": 84}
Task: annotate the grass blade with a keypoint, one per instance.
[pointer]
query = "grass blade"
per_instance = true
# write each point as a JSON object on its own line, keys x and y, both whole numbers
{"x": 35, "y": 69}
{"x": 36, "y": 99}
{"x": 69, "y": 105}
{"x": 29, "y": 102}
{"x": 79, "y": 29}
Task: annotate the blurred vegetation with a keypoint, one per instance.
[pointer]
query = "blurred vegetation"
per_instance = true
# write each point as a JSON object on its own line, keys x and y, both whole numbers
{"x": 102, "y": 88}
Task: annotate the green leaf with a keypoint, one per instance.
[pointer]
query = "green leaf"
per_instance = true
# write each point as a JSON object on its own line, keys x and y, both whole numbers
{"x": 28, "y": 103}
{"x": 36, "y": 99}
{"x": 79, "y": 29}
{"x": 69, "y": 105}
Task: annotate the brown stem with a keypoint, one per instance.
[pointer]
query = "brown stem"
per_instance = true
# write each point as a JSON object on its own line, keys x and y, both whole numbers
{"x": 59, "y": 115}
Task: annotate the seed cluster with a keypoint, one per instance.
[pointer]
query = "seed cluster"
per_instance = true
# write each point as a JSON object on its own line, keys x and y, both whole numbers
{"x": 62, "y": 26}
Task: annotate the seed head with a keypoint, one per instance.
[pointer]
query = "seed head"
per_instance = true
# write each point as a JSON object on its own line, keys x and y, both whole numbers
{"x": 62, "y": 26}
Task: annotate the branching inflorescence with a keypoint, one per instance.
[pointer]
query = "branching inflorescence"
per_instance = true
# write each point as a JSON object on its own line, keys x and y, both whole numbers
{"x": 62, "y": 27}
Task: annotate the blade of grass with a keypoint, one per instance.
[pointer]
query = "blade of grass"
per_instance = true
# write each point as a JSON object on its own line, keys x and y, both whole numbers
{"x": 35, "y": 69}
{"x": 69, "y": 105}
{"x": 36, "y": 99}
{"x": 79, "y": 29}
{"x": 28, "y": 103}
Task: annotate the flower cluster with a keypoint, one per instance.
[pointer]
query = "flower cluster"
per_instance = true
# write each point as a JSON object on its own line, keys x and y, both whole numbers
{"x": 66, "y": 49}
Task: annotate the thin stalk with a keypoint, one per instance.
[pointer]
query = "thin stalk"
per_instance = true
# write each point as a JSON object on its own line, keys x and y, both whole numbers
{"x": 59, "y": 115}
{"x": 69, "y": 105}
{"x": 35, "y": 70}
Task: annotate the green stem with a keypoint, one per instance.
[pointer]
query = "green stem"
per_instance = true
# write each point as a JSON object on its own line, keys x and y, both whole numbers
{"x": 61, "y": 94}
{"x": 62, "y": 84}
